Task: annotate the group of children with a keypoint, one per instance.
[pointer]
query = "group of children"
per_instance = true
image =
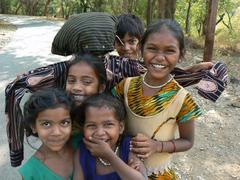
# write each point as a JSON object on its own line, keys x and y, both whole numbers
{"x": 129, "y": 133}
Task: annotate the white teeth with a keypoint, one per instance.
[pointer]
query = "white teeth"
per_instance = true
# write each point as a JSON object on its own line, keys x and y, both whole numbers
{"x": 78, "y": 97}
{"x": 158, "y": 66}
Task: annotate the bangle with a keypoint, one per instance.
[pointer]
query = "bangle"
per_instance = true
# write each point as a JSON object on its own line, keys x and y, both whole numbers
{"x": 174, "y": 146}
{"x": 162, "y": 147}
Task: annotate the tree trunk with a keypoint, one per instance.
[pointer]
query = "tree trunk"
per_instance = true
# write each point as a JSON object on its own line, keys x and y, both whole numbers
{"x": 125, "y": 6}
{"x": 131, "y": 6}
{"x": 2, "y": 7}
{"x": 18, "y": 7}
{"x": 46, "y": 7}
{"x": 149, "y": 11}
{"x": 211, "y": 24}
{"x": 187, "y": 23}
{"x": 98, "y": 5}
{"x": 166, "y": 9}
{"x": 33, "y": 8}
{"x": 62, "y": 9}
{"x": 204, "y": 26}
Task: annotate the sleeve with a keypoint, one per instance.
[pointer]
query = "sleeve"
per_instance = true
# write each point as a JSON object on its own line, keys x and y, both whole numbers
{"x": 119, "y": 68}
{"x": 189, "y": 111}
{"x": 48, "y": 76}
{"x": 185, "y": 78}
{"x": 118, "y": 90}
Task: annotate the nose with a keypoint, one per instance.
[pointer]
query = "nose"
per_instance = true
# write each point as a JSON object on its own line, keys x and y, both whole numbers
{"x": 160, "y": 56}
{"x": 126, "y": 46}
{"x": 78, "y": 87}
{"x": 99, "y": 132}
{"x": 56, "y": 130}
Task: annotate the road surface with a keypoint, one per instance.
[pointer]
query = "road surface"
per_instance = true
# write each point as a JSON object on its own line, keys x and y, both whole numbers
{"x": 30, "y": 47}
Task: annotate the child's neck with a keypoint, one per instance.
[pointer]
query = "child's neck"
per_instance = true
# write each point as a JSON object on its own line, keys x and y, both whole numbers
{"x": 60, "y": 162}
{"x": 151, "y": 88}
{"x": 44, "y": 152}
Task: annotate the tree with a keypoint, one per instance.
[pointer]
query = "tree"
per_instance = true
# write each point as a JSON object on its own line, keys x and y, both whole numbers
{"x": 46, "y": 7}
{"x": 30, "y": 6}
{"x": 166, "y": 9}
{"x": 150, "y": 4}
{"x": 211, "y": 24}
{"x": 187, "y": 22}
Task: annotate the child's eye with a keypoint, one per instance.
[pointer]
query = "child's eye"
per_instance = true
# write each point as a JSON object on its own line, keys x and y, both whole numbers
{"x": 90, "y": 126}
{"x": 132, "y": 42}
{"x": 152, "y": 49}
{"x": 71, "y": 80}
{"x": 170, "y": 51}
{"x": 45, "y": 124}
{"x": 109, "y": 125}
{"x": 87, "y": 81}
{"x": 66, "y": 123}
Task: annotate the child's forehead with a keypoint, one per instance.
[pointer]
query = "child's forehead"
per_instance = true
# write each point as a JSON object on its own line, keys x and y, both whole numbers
{"x": 128, "y": 35}
{"x": 101, "y": 111}
{"x": 103, "y": 108}
{"x": 81, "y": 66}
{"x": 54, "y": 114}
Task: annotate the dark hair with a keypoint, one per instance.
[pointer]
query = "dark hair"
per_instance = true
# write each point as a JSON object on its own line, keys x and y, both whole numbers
{"x": 101, "y": 100}
{"x": 42, "y": 100}
{"x": 170, "y": 25}
{"x": 95, "y": 62}
{"x": 131, "y": 24}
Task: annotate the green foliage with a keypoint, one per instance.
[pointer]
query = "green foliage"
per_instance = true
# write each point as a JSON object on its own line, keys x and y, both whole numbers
{"x": 229, "y": 38}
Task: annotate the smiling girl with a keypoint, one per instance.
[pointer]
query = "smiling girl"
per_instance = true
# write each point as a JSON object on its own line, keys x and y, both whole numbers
{"x": 157, "y": 106}
{"x": 47, "y": 116}
{"x": 104, "y": 152}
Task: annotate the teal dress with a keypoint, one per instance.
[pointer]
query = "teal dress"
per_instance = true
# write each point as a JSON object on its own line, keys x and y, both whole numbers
{"x": 34, "y": 169}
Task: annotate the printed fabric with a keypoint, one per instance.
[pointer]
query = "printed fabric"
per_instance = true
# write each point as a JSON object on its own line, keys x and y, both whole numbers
{"x": 152, "y": 105}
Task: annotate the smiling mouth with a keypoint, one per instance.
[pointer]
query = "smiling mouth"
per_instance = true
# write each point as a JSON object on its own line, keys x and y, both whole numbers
{"x": 78, "y": 98}
{"x": 158, "y": 66}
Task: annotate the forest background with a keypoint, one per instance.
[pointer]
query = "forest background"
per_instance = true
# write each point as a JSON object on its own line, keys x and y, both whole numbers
{"x": 191, "y": 14}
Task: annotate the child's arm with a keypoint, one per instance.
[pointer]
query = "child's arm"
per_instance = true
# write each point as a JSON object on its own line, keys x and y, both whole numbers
{"x": 101, "y": 149}
{"x": 136, "y": 163}
{"x": 78, "y": 174}
{"x": 199, "y": 67}
{"x": 144, "y": 146}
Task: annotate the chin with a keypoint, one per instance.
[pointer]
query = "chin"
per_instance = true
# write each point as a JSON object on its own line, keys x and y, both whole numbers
{"x": 78, "y": 103}
{"x": 57, "y": 148}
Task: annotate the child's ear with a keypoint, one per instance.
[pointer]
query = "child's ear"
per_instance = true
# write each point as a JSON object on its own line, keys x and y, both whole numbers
{"x": 33, "y": 128}
{"x": 122, "y": 127}
{"x": 101, "y": 88}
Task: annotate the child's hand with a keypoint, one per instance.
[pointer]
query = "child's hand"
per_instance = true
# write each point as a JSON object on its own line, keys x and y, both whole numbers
{"x": 98, "y": 148}
{"x": 134, "y": 164}
{"x": 143, "y": 146}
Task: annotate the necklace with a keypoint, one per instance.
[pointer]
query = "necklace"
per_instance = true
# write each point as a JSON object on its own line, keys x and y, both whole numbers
{"x": 155, "y": 87}
{"x": 107, "y": 163}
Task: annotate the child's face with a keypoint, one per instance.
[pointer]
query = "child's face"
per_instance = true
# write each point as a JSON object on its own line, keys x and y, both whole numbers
{"x": 161, "y": 53}
{"x": 82, "y": 82}
{"x": 53, "y": 127}
{"x": 102, "y": 124}
{"x": 130, "y": 48}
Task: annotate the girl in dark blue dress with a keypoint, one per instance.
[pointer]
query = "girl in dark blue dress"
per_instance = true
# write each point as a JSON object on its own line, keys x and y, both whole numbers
{"x": 104, "y": 152}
